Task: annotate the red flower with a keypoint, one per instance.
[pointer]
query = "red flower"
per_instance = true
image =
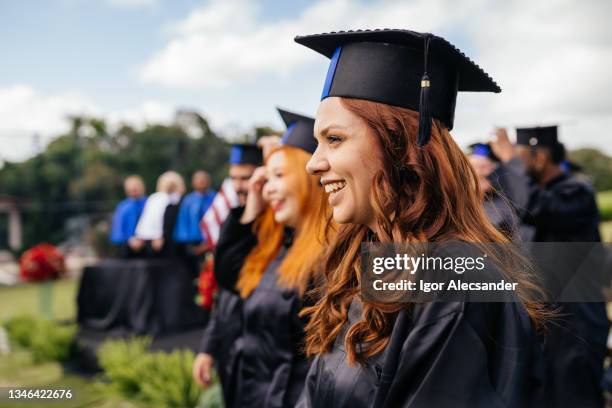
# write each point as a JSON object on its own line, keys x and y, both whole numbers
{"x": 41, "y": 262}
{"x": 207, "y": 285}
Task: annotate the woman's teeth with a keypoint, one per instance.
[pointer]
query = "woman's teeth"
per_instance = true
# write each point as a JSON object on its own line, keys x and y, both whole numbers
{"x": 333, "y": 187}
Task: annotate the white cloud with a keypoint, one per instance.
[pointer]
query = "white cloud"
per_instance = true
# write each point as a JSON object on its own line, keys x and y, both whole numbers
{"x": 25, "y": 112}
{"x": 224, "y": 43}
{"x": 553, "y": 59}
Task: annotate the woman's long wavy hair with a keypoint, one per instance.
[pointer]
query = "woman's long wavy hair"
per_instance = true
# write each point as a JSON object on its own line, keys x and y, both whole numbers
{"x": 297, "y": 268}
{"x": 421, "y": 194}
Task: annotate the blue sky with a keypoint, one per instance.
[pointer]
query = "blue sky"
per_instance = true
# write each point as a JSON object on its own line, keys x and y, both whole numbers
{"x": 234, "y": 61}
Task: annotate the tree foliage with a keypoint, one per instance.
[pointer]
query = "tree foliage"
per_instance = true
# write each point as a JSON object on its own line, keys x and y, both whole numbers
{"x": 82, "y": 171}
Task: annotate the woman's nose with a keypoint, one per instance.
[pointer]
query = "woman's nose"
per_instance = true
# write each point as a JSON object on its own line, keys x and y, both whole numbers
{"x": 317, "y": 163}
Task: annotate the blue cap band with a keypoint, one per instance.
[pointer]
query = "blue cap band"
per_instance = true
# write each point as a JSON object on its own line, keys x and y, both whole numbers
{"x": 481, "y": 150}
{"x": 235, "y": 155}
{"x": 331, "y": 72}
{"x": 287, "y": 133}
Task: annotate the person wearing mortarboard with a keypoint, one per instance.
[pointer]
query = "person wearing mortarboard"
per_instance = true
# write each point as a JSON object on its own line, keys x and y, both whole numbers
{"x": 394, "y": 174}
{"x": 498, "y": 208}
{"x": 193, "y": 206}
{"x": 156, "y": 225}
{"x": 218, "y": 346}
{"x": 561, "y": 207}
{"x": 127, "y": 213}
{"x": 269, "y": 262}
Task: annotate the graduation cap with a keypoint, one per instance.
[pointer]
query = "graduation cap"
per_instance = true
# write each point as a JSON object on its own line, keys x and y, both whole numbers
{"x": 300, "y": 131}
{"x": 483, "y": 149}
{"x": 417, "y": 71}
{"x": 537, "y": 136}
{"x": 246, "y": 154}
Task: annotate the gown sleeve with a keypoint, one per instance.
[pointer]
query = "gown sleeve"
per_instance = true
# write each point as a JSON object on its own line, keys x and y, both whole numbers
{"x": 210, "y": 339}
{"x": 236, "y": 240}
{"x": 466, "y": 355}
{"x": 571, "y": 200}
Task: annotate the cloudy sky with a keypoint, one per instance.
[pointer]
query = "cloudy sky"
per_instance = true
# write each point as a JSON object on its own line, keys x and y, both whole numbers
{"x": 137, "y": 61}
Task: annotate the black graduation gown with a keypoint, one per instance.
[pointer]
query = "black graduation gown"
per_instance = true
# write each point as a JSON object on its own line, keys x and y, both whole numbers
{"x": 225, "y": 326}
{"x": 271, "y": 366}
{"x": 219, "y": 340}
{"x": 451, "y": 355}
{"x": 501, "y": 215}
{"x": 564, "y": 210}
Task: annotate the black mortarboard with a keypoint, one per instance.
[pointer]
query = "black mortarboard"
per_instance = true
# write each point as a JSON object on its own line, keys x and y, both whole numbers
{"x": 483, "y": 149}
{"x": 417, "y": 71}
{"x": 300, "y": 131}
{"x": 537, "y": 136}
{"x": 246, "y": 154}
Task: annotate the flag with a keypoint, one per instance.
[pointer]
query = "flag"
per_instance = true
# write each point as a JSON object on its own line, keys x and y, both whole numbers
{"x": 213, "y": 218}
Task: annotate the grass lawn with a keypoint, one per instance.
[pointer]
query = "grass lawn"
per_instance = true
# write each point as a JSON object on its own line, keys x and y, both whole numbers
{"x": 29, "y": 299}
{"x": 18, "y": 370}
{"x": 606, "y": 231}
{"x": 604, "y": 202}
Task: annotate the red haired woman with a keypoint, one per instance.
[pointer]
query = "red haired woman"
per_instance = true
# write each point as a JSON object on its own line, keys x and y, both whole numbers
{"x": 272, "y": 269}
{"x": 394, "y": 174}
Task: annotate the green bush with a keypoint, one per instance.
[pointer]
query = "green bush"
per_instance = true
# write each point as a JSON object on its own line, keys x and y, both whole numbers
{"x": 156, "y": 378}
{"x": 21, "y": 329}
{"x": 121, "y": 361}
{"x": 47, "y": 340}
{"x": 167, "y": 381}
{"x": 604, "y": 202}
{"x": 52, "y": 342}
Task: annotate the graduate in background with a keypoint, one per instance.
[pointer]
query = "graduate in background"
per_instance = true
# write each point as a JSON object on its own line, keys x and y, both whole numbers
{"x": 127, "y": 213}
{"x": 561, "y": 207}
{"x": 498, "y": 208}
{"x": 156, "y": 225}
{"x": 394, "y": 174}
{"x": 193, "y": 206}
{"x": 218, "y": 347}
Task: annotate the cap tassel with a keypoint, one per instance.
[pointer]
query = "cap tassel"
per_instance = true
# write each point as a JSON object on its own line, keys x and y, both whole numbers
{"x": 424, "y": 111}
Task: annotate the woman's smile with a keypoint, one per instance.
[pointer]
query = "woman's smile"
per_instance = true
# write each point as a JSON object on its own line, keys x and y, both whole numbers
{"x": 335, "y": 190}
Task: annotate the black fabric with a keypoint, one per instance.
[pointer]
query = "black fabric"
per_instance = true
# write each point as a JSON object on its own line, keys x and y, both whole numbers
{"x": 152, "y": 296}
{"x": 171, "y": 248}
{"x": 537, "y": 136}
{"x": 394, "y": 84}
{"x": 270, "y": 368}
{"x": 564, "y": 210}
{"x": 387, "y": 66}
{"x": 220, "y": 341}
{"x": 243, "y": 153}
{"x": 273, "y": 367}
{"x": 221, "y": 337}
{"x": 236, "y": 240}
{"x": 300, "y": 131}
{"x": 453, "y": 355}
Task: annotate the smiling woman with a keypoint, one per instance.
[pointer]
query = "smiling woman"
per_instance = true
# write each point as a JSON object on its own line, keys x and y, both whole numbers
{"x": 395, "y": 175}
{"x": 269, "y": 260}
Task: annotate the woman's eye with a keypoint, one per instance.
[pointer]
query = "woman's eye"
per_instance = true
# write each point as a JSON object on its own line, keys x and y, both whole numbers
{"x": 333, "y": 139}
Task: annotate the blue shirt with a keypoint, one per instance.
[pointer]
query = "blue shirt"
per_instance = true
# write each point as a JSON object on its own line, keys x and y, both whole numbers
{"x": 125, "y": 219}
{"x": 191, "y": 211}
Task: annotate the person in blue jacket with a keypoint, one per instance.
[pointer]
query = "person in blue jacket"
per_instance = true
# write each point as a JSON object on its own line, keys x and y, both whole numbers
{"x": 187, "y": 230}
{"x": 127, "y": 213}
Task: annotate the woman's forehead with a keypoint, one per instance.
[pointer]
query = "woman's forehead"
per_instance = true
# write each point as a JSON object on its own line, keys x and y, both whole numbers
{"x": 276, "y": 159}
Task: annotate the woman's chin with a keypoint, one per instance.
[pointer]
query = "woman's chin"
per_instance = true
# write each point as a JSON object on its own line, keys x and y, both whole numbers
{"x": 341, "y": 216}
